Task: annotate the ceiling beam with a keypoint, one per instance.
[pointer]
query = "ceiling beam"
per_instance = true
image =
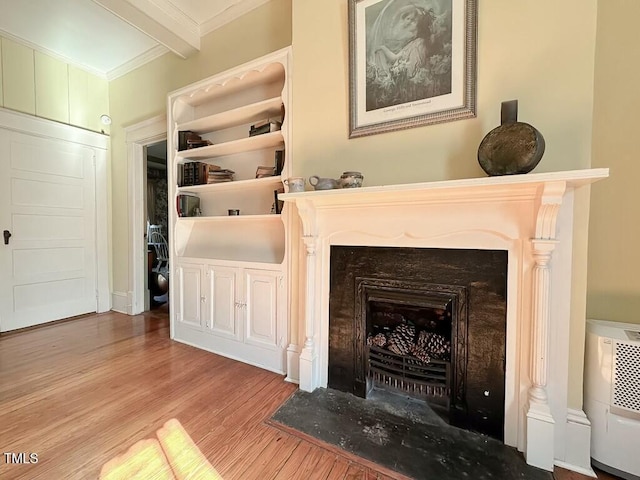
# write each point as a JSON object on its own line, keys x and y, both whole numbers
{"x": 161, "y": 20}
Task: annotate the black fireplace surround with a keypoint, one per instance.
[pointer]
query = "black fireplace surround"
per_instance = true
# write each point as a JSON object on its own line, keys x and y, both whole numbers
{"x": 466, "y": 288}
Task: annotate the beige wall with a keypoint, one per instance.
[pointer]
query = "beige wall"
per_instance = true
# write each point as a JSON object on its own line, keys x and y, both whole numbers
{"x": 544, "y": 60}
{"x": 142, "y": 94}
{"x": 37, "y": 84}
{"x": 537, "y": 51}
{"x": 614, "y": 257}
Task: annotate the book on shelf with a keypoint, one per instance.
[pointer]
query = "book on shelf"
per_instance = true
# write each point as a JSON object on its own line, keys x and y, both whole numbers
{"x": 277, "y": 205}
{"x": 188, "y": 140}
{"x": 188, "y": 205}
{"x": 265, "y": 126}
{"x": 265, "y": 171}
{"x": 195, "y": 173}
{"x": 279, "y": 160}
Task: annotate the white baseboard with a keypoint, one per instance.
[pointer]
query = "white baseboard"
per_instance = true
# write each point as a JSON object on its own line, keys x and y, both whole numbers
{"x": 120, "y": 303}
{"x": 578, "y": 444}
{"x": 293, "y": 364}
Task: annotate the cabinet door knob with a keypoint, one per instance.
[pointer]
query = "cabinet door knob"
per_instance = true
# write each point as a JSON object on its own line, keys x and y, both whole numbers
{"x": 203, "y": 299}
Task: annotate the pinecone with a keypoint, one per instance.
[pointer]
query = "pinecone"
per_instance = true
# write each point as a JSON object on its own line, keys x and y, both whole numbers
{"x": 423, "y": 339}
{"x": 420, "y": 353}
{"x": 379, "y": 340}
{"x": 402, "y": 339}
{"x": 437, "y": 346}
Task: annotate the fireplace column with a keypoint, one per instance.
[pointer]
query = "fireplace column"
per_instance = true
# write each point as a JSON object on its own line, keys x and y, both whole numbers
{"x": 540, "y": 424}
{"x": 309, "y": 355}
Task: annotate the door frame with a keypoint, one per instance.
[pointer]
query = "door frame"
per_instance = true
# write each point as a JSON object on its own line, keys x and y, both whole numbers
{"x": 40, "y": 127}
{"x": 138, "y": 136}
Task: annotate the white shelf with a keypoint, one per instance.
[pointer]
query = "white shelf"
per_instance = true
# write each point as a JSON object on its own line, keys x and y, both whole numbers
{"x": 270, "y": 217}
{"x": 265, "y": 109}
{"x": 274, "y": 181}
{"x": 204, "y": 91}
{"x": 258, "y": 142}
{"x": 219, "y": 256}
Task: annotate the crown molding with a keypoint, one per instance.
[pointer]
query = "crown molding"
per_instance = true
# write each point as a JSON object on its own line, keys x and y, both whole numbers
{"x": 137, "y": 62}
{"x": 229, "y": 14}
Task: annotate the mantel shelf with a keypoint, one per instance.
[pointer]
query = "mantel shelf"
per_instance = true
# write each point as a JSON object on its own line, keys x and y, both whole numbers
{"x": 488, "y": 188}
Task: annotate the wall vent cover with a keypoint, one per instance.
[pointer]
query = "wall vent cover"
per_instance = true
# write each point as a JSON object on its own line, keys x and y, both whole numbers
{"x": 626, "y": 381}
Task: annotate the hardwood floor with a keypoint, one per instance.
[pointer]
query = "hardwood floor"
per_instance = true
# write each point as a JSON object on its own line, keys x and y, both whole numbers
{"x": 80, "y": 392}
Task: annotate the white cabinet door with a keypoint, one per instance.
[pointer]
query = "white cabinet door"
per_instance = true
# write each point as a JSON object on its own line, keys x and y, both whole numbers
{"x": 222, "y": 303}
{"x": 261, "y": 307}
{"x": 47, "y": 203}
{"x": 190, "y": 295}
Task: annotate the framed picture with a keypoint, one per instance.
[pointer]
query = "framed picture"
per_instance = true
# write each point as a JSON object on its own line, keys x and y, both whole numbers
{"x": 411, "y": 63}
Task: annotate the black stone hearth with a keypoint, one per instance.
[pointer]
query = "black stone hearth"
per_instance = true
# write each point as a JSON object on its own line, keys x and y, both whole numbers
{"x": 403, "y": 435}
{"x": 469, "y": 284}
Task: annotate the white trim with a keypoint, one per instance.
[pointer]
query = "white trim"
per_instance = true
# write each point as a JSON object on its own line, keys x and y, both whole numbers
{"x": 577, "y": 455}
{"x": 36, "y": 126}
{"x": 138, "y": 136}
{"x": 567, "y": 466}
{"x": 229, "y": 14}
{"x": 120, "y": 302}
{"x": 137, "y": 62}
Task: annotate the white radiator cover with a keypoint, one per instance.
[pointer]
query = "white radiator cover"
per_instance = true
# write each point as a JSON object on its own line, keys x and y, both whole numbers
{"x": 612, "y": 395}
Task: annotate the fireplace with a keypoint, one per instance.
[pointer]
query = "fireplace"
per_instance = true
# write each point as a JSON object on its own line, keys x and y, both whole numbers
{"x": 430, "y": 323}
{"x": 531, "y": 218}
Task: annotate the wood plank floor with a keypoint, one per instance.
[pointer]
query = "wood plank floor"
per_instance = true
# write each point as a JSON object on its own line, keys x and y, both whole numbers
{"x": 79, "y": 392}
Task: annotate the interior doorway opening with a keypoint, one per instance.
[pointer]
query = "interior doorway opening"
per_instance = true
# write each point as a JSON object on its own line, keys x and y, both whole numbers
{"x": 139, "y": 138}
{"x": 157, "y": 212}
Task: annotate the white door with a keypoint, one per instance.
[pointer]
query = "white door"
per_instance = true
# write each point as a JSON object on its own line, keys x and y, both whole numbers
{"x": 190, "y": 295}
{"x": 261, "y": 307}
{"x": 47, "y": 205}
{"x": 223, "y": 301}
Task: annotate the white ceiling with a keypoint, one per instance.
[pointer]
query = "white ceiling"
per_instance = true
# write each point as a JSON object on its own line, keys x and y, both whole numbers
{"x": 112, "y": 37}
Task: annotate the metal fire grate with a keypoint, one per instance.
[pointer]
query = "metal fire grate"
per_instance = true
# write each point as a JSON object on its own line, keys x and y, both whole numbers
{"x": 408, "y": 374}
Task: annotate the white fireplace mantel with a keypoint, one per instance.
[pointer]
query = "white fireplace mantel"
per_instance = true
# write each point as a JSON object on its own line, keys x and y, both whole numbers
{"x": 531, "y": 217}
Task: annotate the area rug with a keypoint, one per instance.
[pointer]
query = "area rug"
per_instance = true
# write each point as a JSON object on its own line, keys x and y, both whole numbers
{"x": 403, "y": 435}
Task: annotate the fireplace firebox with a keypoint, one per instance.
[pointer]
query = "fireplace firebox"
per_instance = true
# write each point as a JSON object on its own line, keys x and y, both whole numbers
{"x": 428, "y": 323}
{"x": 415, "y": 339}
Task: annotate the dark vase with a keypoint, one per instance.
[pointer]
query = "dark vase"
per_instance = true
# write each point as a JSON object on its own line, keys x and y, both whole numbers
{"x": 513, "y": 147}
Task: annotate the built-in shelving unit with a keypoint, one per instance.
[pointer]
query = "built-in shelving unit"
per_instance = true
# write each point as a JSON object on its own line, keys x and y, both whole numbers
{"x": 229, "y": 273}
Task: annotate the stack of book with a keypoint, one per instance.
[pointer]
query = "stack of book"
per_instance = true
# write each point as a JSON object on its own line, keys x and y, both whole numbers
{"x": 195, "y": 173}
{"x": 264, "y": 126}
{"x": 188, "y": 139}
{"x": 220, "y": 176}
{"x": 264, "y": 171}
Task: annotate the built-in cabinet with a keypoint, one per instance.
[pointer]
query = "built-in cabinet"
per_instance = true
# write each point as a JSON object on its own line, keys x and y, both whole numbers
{"x": 229, "y": 273}
{"x": 241, "y": 311}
